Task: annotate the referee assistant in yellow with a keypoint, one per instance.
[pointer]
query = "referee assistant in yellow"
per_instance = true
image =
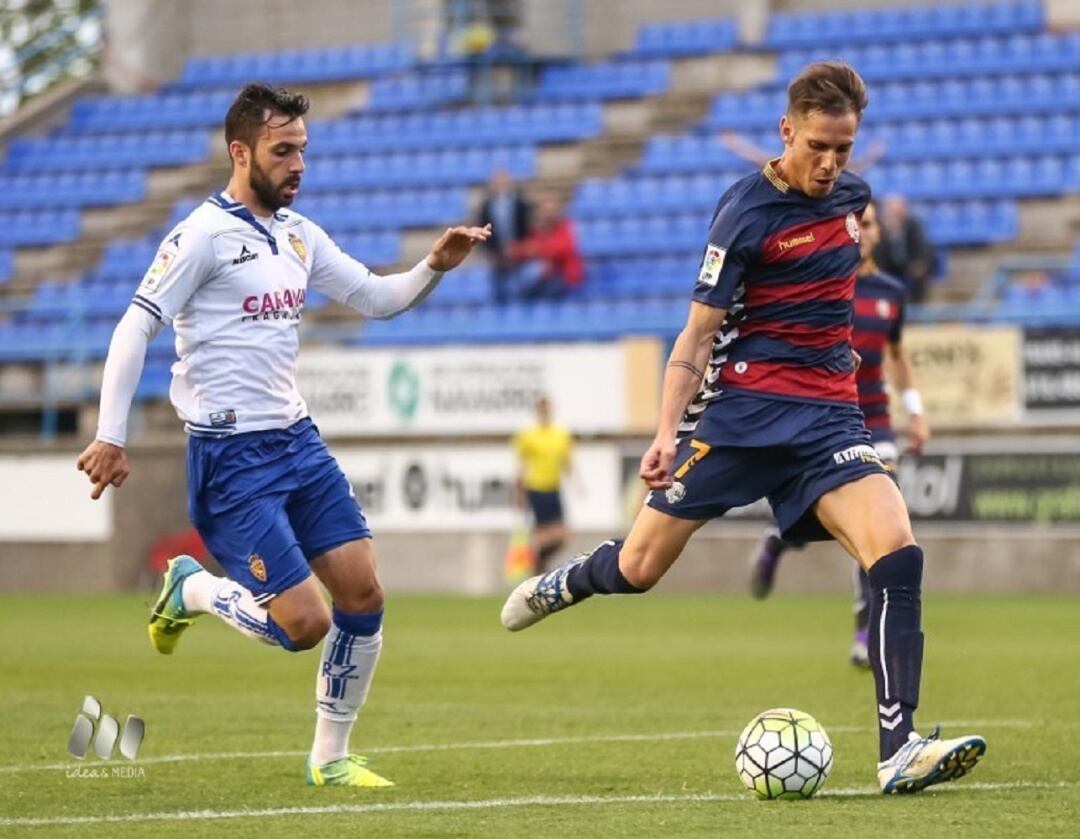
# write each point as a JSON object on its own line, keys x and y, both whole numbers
{"x": 544, "y": 451}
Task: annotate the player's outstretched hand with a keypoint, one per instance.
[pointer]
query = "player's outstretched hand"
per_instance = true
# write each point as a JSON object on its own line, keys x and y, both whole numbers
{"x": 454, "y": 245}
{"x": 104, "y": 464}
{"x": 656, "y": 464}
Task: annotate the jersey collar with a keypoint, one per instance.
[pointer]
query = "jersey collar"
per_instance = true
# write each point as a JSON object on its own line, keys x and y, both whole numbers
{"x": 774, "y": 177}
{"x": 235, "y": 208}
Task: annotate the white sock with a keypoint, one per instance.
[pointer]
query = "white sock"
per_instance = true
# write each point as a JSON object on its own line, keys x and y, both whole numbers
{"x": 230, "y": 601}
{"x": 345, "y": 673}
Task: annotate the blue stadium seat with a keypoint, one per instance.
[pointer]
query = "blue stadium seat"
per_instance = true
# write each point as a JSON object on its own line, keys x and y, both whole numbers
{"x": 605, "y": 80}
{"x": 683, "y": 38}
{"x": 832, "y": 29}
{"x": 26, "y": 228}
{"x": 319, "y": 64}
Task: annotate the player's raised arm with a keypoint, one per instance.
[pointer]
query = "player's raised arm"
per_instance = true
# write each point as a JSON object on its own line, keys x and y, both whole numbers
{"x": 682, "y": 379}
{"x": 348, "y": 281}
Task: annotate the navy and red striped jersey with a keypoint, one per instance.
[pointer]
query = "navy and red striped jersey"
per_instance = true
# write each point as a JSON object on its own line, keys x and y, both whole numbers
{"x": 783, "y": 265}
{"x": 879, "y": 320}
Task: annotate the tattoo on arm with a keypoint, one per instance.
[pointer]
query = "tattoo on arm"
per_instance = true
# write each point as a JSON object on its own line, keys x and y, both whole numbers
{"x": 686, "y": 365}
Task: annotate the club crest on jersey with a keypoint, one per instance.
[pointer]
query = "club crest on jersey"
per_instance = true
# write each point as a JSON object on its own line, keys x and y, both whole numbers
{"x": 711, "y": 265}
{"x": 675, "y": 493}
{"x": 851, "y": 223}
{"x": 298, "y": 246}
{"x": 883, "y": 310}
{"x": 257, "y": 568}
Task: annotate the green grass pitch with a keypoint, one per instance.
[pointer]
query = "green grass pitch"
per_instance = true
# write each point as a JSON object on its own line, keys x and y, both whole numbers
{"x": 616, "y": 719}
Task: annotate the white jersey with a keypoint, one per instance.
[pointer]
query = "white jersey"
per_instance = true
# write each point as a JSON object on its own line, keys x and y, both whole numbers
{"x": 233, "y": 287}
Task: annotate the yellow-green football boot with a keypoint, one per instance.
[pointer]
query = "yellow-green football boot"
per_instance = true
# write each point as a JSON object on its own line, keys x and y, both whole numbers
{"x": 169, "y": 618}
{"x": 350, "y": 771}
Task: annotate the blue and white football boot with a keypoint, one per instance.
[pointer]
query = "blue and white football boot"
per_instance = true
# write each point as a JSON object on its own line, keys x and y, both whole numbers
{"x": 924, "y": 761}
{"x": 540, "y": 596}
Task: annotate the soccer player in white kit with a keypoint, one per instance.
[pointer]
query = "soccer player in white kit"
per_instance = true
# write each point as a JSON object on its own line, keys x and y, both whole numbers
{"x": 267, "y": 497}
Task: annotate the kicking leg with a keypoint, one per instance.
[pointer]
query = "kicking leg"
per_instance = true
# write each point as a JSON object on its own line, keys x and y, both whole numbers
{"x": 868, "y": 517}
{"x": 613, "y": 567}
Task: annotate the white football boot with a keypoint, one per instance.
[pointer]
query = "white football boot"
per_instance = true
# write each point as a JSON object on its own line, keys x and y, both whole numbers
{"x": 538, "y": 597}
{"x": 924, "y": 761}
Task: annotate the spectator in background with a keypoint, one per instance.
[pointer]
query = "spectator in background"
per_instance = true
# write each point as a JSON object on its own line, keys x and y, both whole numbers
{"x": 904, "y": 251}
{"x": 510, "y": 216}
{"x": 551, "y": 264}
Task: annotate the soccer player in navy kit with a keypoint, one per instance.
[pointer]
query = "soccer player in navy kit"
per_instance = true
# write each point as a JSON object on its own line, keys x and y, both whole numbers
{"x": 269, "y": 500}
{"x": 762, "y": 380}
{"x": 879, "y": 319}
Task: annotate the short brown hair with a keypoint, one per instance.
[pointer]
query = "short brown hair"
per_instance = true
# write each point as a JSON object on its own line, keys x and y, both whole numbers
{"x": 831, "y": 87}
{"x": 255, "y": 105}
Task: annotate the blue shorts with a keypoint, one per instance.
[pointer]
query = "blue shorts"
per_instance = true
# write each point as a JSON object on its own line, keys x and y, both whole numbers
{"x": 546, "y": 506}
{"x": 750, "y": 447}
{"x": 268, "y": 502}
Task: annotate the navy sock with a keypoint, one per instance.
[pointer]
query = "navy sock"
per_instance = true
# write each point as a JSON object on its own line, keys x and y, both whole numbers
{"x": 896, "y": 643}
{"x": 600, "y": 574}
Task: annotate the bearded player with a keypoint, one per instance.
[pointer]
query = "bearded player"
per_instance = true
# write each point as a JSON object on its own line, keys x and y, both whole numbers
{"x": 268, "y": 499}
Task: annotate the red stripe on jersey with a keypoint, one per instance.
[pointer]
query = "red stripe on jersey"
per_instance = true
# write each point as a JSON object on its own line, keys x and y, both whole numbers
{"x": 868, "y": 374}
{"x": 836, "y": 288}
{"x": 785, "y": 380}
{"x": 867, "y": 341}
{"x": 877, "y": 421}
{"x": 807, "y": 238}
{"x": 799, "y": 334}
{"x": 876, "y": 307}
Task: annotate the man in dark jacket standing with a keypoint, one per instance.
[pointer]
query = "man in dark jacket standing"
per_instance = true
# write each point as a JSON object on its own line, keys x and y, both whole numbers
{"x": 904, "y": 251}
{"x": 510, "y": 216}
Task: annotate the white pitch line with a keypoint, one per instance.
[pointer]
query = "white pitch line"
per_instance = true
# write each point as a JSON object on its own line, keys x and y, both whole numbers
{"x": 491, "y": 744}
{"x": 483, "y": 804}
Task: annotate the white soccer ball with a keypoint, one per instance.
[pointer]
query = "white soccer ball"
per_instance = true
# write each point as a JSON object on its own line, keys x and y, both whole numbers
{"x": 783, "y": 753}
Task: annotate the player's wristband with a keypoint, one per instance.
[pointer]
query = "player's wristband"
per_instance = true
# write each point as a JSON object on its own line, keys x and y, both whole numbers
{"x": 912, "y": 401}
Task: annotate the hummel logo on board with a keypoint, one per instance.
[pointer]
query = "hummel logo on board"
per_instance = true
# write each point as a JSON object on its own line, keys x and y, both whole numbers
{"x": 245, "y": 256}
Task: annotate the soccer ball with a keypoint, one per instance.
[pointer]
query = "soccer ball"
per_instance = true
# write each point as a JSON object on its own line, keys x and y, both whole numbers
{"x": 783, "y": 753}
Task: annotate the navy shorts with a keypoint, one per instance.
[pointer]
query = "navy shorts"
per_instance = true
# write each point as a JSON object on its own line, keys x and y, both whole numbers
{"x": 749, "y": 447}
{"x": 268, "y": 502}
{"x": 546, "y": 506}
